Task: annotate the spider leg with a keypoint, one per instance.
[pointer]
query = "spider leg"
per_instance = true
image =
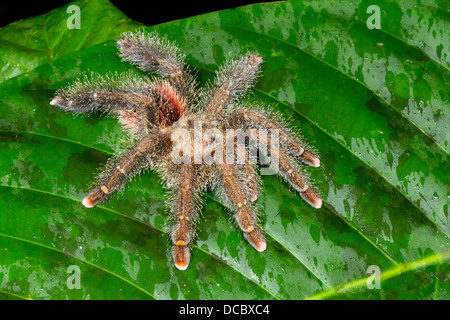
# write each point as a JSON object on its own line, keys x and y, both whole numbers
{"x": 247, "y": 172}
{"x": 151, "y": 53}
{"x": 103, "y": 94}
{"x": 184, "y": 209}
{"x": 232, "y": 81}
{"x": 291, "y": 145}
{"x": 288, "y": 148}
{"x": 133, "y": 101}
{"x": 244, "y": 214}
{"x": 99, "y": 101}
{"x": 125, "y": 168}
{"x": 287, "y": 168}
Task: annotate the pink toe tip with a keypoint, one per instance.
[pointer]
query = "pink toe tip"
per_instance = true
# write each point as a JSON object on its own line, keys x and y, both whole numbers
{"x": 256, "y": 58}
{"x": 317, "y": 203}
{"x": 316, "y": 162}
{"x": 87, "y": 203}
{"x": 262, "y": 246}
{"x": 181, "y": 265}
{"x": 54, "y": 101}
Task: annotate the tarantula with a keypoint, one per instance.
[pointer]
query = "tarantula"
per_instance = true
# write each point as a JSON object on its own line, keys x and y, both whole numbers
{"x": 166, "y": 115}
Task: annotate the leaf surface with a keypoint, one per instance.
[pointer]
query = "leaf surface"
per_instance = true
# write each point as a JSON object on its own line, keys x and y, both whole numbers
{"x": 28, "y": 43}
{"x": 384, "y": 174}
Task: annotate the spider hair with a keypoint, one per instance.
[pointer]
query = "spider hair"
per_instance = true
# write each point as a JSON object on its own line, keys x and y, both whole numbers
{"x": 152, "y": 110}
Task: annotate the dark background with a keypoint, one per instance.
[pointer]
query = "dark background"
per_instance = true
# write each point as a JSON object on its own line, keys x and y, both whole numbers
{"x": 148, "y": 12}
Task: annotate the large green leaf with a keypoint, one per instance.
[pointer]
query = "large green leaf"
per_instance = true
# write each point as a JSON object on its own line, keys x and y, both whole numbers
{"x": 28, "y": 43}
{"x": 376, "y": 113}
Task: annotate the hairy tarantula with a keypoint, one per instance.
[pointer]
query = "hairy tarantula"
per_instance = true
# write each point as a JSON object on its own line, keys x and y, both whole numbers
{"x": 166, "y": 115}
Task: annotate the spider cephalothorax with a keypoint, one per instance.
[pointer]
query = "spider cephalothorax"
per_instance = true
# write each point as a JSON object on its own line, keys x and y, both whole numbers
{"x": 184, "y": 134}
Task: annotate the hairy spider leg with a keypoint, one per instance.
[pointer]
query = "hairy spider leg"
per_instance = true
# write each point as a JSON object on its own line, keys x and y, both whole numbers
{"x": 289, "y": 170}
{"x": 184, "y": 210}
{"x": 232, "y": 81}
{"x": 127, "y": 167}
{"x": 81, "y": 99}
{"x": 244, "y": 213}
{"x": 293, "y": 147}
{"x": 150, "y": 53}
{"x": 248, "y": 172}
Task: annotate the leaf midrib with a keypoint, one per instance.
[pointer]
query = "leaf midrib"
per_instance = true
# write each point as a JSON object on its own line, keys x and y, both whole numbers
{"x": 391, "y": 273}
{"x": 13, "y": 295}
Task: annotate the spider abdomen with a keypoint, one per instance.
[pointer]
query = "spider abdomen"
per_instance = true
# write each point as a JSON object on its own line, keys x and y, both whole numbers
{"x": 170, "y": 107}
